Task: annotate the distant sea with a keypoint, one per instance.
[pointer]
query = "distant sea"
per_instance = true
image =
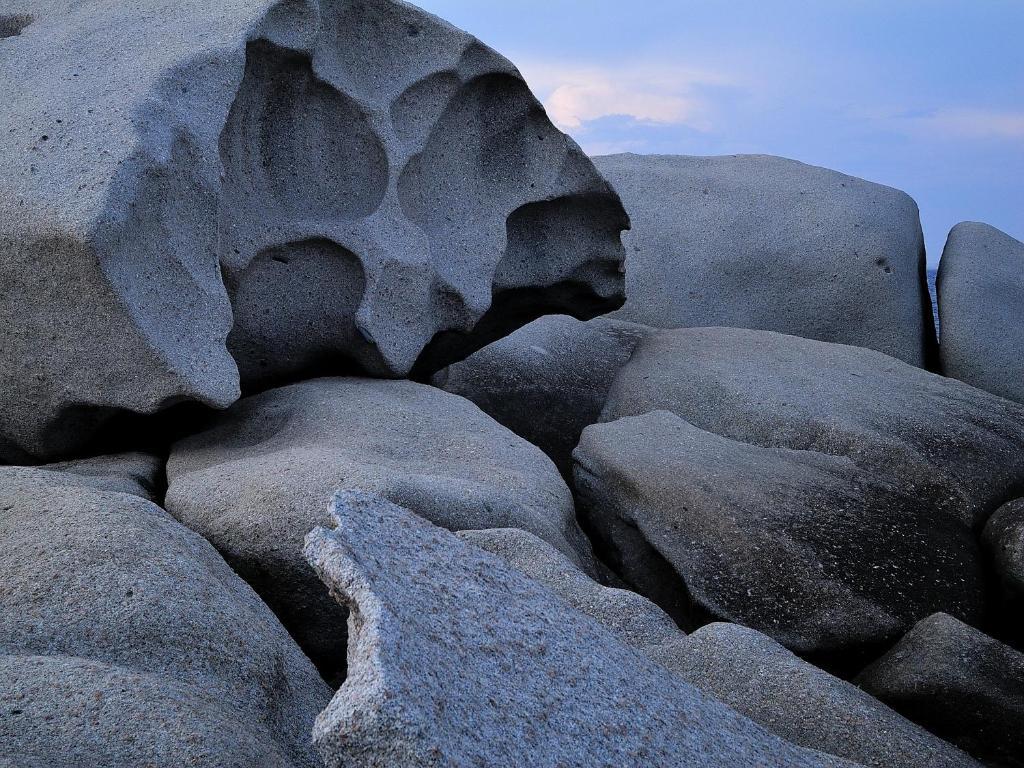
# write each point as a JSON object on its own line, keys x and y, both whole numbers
{"x": 932, "y": 275}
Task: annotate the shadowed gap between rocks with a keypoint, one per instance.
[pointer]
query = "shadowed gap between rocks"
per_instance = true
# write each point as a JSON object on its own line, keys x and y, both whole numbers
{"x": 12, "y": 25}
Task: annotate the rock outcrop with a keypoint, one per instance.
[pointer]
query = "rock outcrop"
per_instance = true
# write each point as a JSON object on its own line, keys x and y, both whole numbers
{"x": 456, "y": 657}
{"x": 981, "y": 309}
{"x": 260, "y": 478}
{"x": 193, "y": 193}
{"x": 753, "y": 241}
{"x": 960, "y": 684}
{"x": 126, "y": 640}
{"x": 1004, "y": 541}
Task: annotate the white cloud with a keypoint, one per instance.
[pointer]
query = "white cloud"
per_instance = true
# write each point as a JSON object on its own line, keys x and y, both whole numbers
{"x": 647, "y": 93}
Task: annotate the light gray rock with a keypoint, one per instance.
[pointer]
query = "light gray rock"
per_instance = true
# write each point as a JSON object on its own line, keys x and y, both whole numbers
{"x": 137, "y": 474}
{"x": 309, "y": 184}
{"x": 634, "y": 618}
{"x": 760, "y": 679}
{"x": 956, "y": 448}
{"x": 981, "y": 308}
{"x": 738, "y": 666}
{"x": 458, "y": 659}
{"x": 960, "y": 684}
{"x": 548, "y": 380}
{"x": 125, "y": 640}
{"x": 763, "y": 242}
{"x": 260, "y": 478}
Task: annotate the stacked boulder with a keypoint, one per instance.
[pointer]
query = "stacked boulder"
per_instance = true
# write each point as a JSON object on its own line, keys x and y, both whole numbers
{"x": 203, "y": 197}
{"x": 736, "y": 523}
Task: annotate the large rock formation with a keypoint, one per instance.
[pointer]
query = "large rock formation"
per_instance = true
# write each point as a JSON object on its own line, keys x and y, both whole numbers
{"x": 1004, "y": 540}
{"x": 738, "y": 666}
{"x": 126, "y": 640}
{"x": 753, "y": 241}
{"x": 959, "y": 683}
{"x": 850, "y": 471}
{"x": 260, "y": 478}
{"x": 307, "y": 184}
{"x": 981, "y": 308}
{"x": 457, "y": 658}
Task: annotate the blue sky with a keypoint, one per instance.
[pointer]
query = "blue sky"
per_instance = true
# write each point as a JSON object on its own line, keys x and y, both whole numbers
{"x": 923, "y": 95}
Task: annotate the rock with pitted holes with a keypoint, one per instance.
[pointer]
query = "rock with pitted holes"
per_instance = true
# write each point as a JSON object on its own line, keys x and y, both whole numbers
{"x": 754, "y": 241}
{"x": 458, "y": 659}
{"x": 195, "y": 194}
{"x": 125, "y": 639}
{"x": 260, "y": 477}
{"x": 981, "y": 309}
{"x": 960, "y": 684}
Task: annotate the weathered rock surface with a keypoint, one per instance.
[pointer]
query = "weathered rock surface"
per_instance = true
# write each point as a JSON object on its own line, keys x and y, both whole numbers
{"x": 754, "y": 241}
{"x": 260, "y": 478}
{"x": 126, "y": 640}
{"x": 981, "y": 308}
{"x": 801, "y": 545}
{"x": 1004, "y": 540}
{"x": 823, "y": 494}
{"x": 548, "y": 380}
{"x": 803, "y": 704}
{"x": 738, "y": 666}
{"x": 308, "y": 184}
{"x": 458, "y": 658}
{"x": 960, "y": 684}
{"x": 634, "y": 618}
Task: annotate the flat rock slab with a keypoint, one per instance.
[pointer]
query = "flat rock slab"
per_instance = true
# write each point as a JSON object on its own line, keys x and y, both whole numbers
{"x": 194, "y": 195}
{"x": 260, "y": 478}
{"x": 981, "y": 308}
{"x": 458, "y": 659}
{"x": 126, "y": 640}
{"x": 754, "y": 241}
{"x": 960, "y": 684}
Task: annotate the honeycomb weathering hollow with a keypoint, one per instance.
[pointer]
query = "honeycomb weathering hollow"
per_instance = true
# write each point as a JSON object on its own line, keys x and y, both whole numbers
{"x": 309, "y": 185}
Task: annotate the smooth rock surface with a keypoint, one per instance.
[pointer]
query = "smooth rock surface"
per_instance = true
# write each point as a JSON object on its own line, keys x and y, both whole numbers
{"x": 740, "y": 667}
{"x": 981, "y": 309}
{"x": 755, "y": 241}
{"x": 193, "y": 193}
{"x": 260, "y": 478}
{"x": 960, "y": 684}
{"x": 125, "y": 640}
{"x": 457, "y": 658}
{"x": 548, "y": 380}
{"x": 800, "y": 545}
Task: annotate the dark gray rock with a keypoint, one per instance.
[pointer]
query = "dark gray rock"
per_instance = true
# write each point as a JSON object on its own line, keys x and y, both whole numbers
{"x": 457, "y": 658}
{"x": 981, "y": 308}
{"x": 801, "y": 545}
{"x": 754, "y": 241}
{"x": 309, "y": 184}
{"x": 548, "y": 380}
{"x": 738, "y": 666}
{"x": 1004, "y": 540}
{"x": 126, "y": 640}
{"x": 960, "y": 684}
{"x": 260, "y": 478}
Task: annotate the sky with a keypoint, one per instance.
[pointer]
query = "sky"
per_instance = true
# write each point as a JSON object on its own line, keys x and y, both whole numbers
{"x": 923, "y": 95}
